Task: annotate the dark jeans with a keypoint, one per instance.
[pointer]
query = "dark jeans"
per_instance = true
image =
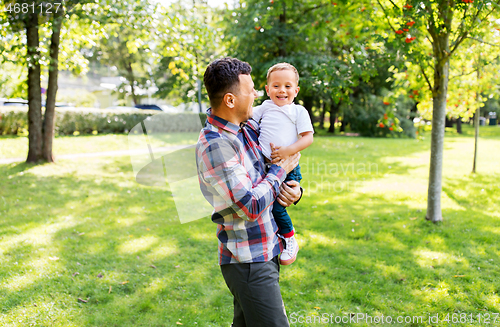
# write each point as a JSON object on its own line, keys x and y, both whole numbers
{"x": 256, "y": 291}
{"x": 280, "y": 215}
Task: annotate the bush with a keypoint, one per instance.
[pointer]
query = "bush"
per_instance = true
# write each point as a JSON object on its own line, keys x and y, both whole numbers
{"x": 365, "y": 115}
{"x": 14, "y": 121}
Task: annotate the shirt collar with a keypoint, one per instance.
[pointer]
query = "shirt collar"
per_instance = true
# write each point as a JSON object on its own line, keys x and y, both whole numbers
{"x": 270, "y": 103}
{"x": 222, "y": 123}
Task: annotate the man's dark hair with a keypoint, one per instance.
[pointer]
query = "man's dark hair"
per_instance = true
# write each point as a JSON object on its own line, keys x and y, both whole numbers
{"x": 222, "y": 76}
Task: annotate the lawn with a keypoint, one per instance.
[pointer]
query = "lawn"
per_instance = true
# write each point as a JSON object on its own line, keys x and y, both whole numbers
{"x": 82, "y": 244}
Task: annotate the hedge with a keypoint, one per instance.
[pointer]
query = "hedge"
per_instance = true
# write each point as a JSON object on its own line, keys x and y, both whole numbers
{"x": 14, "y": 120}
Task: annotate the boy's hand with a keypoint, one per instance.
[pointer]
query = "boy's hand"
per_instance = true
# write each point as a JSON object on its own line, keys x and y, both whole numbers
{"x": 279, "y": 153}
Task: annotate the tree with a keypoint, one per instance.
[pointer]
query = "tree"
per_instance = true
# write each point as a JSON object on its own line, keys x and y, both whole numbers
{"x": 439, "y": 37}
{"x": 334, "y": 46}
{"x": 130, "y": 32}
{"x": 29, "y": 16}
{"x": 325, "y": 41}
{"x": 190, "y": 37}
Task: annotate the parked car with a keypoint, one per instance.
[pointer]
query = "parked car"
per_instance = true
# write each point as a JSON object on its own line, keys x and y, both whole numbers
{"x": 22, "y": 103}
{"x": 148, "y": 107}
{"x": 121, "y": 108}
{"x": 15, "y": 102}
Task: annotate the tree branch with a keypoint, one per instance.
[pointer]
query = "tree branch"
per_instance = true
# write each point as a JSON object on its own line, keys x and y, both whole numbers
{"x": 386, "y": 16}
{"x": 462, "y": 24}
{"x": 315, "y": 7}
{"x": 460, "y": 39}
{"x": 475, "y": 70}
{"x": 394, "y": 5}
{"x": 459, "y": 75}
{"x": 464, "y": 34}
{"x": 425, "y": 76}
{"x": 432, "y": 26}
{"x": 479, "y": 40}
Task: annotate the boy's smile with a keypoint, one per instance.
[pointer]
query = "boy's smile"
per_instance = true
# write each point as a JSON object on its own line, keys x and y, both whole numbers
{"x": 282, "y": 87}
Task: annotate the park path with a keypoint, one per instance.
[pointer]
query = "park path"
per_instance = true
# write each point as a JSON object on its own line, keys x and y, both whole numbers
{"x": 117, "y": 153}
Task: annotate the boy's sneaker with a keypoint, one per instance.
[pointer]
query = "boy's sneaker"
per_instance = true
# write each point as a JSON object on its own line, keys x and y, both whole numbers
{"x": 289, "y": 254}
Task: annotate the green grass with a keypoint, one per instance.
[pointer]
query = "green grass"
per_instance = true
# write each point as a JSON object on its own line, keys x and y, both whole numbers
{"x": 365, "y": 245}
{"x": 17, "y": 147}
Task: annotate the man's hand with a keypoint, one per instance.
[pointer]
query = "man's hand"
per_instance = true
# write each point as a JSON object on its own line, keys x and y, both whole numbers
{"x": 289, "y": 163}
{"x": 289, "y": 193}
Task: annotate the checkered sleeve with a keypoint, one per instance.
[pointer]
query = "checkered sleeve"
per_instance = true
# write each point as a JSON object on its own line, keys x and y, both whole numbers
{"x": 220, "y": 166}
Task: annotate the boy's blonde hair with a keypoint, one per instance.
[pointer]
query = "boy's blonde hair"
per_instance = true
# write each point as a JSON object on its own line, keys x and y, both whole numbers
{"x": 283, "y": 66}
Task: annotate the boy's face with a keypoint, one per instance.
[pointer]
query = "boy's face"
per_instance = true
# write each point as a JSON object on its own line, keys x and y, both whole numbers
{"x": 282, "y": 87}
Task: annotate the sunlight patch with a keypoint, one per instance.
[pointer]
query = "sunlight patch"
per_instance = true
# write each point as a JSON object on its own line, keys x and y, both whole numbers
{"x": 389, "y": 271}
{"x": 162, "y": 251}
{"x": 380, "y": 186}
{"x": 495, "y": 230}
{"x": 434, "y": 294}
{"x": 202, "y": 236}
{"x": 318, "y": 239}
{"x": 45, "y": 313}
{"x": 389, "y": 239}
{"x": 156, "y": 286}
{"x": 296, "y": 274}
{"x": 41, "y": 235}
{"x": 449, "y": 203}
{"x": 130, "y": 221}
{"x": 137, "y": 245}
{"x": 493, "y": 301}
{"x": 39, "y": 268}
{"x": 426, "y": 258}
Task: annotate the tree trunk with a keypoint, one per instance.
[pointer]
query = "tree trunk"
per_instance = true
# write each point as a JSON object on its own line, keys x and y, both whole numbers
{"x": 439, "y": 94}
{"x": 308, "y": 104}
{"x": 334, "y": 109}
{"x": 477, "y": 114}
{"x": 34, "y": 90}
{"x": 281, "y": 39}
{"x": 50, "y": 104}
{"x": 322, "y": 116}
{"x": 131, "y": 80}
{"x": 459, "y": 125}
{"x": 448, "y": 122}
{"x": 343, "y": 124}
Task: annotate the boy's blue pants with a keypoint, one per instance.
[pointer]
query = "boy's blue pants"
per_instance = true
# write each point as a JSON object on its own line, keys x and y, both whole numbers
{"x": 281, "y": 217}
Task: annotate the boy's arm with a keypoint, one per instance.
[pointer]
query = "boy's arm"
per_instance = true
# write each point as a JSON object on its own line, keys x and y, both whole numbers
{"x": 286, "y": 151}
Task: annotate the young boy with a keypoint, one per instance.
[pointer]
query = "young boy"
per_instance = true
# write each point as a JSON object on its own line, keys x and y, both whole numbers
{"x": 289, "y": 128}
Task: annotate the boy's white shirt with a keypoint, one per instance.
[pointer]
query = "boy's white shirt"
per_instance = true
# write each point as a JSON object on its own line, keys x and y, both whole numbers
{"x": 280, "y": 125}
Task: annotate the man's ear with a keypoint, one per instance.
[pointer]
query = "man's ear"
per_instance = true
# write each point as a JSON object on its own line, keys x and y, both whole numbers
{"x": 229, "y": 100}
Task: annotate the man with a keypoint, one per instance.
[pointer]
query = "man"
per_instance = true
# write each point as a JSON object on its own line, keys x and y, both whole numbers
{"x": 235, "y": 180}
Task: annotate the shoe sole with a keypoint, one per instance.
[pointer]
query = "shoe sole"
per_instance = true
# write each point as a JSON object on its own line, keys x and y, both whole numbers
{"x": 289, "y": 261}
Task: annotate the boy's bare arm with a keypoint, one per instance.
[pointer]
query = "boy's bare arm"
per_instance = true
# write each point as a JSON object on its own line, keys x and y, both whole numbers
{"x": 286, "y": 151}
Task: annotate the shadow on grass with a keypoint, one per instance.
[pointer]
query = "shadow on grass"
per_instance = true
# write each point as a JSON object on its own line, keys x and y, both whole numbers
{"x": 106, "y": 225}
{"x": 137, "y": 266}
{"x": 487, "y": 132}
{"x": 384, "y": 258}
{"x": 110, "y": 242}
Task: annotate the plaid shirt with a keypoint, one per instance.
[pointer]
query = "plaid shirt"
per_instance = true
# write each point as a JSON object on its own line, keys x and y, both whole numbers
{"x": 232, "y": 176}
